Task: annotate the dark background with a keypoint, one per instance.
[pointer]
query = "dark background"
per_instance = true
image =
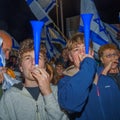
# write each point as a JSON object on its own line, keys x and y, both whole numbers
{"x": 15, "y": 15}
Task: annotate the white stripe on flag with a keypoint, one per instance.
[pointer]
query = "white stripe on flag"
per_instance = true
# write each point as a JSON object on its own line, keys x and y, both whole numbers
{"x": 101, "y": 33}
{"x": 98, "y": 34}
{"x": 47, "y": 5}
{"x": 39, "y": 12}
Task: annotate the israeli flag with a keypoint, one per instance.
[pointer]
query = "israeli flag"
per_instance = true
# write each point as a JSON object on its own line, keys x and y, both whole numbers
{"x": 15, "y": 44}
{"x": 51, "y": 38}
{"x": 47, "y": 5}
{"x": 101, "y": 33}
{"x": 41, "y": 9}
{"x": 56, "y": 37}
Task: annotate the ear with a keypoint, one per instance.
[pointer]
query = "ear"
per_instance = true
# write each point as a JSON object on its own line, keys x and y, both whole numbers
{"x": 21, "y": 69}
{"x": 101, "y": 59}
{"x": 70, "y": 57}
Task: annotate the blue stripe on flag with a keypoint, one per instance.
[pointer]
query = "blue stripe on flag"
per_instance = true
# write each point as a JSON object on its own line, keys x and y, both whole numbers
{"x": 58, "y": 40}
{"x": 15, "y": 45}
{"x": 45, "y": 19}
{"x": 116, "y": 29}
{"x": 94, "y": 37}
{"x": 50, "y": 6}
{"x": 101, "y": 33}
{"x": 29, "y": 1}
{"x": 98, "y": 32}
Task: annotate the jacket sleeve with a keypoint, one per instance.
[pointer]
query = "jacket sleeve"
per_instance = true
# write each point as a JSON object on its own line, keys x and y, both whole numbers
{"x": 6, "y": 108}
{"x": 73, "y": 91}
{"x": 52, "y": 107}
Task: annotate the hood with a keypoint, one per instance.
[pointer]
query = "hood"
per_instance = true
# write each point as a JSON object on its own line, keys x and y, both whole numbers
{"x": 70, "y": 71}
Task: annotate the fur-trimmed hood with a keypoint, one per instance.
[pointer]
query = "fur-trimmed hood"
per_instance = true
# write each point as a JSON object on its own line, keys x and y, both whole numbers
{"x": 70, "y": 71}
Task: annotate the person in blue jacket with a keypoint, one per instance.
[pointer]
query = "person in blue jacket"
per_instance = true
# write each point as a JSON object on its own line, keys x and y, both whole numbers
{"x": 103, "y": 101}
{"x": 99, "y": 100}
{"x": 74, "y": 88}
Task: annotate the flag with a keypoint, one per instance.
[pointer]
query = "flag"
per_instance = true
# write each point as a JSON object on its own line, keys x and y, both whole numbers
{"x": 50, "y": 38}
{"x": 51, "y": 50}
{"x": 112, "y": 30}
{"x": 41, "y": 9}
{"x": 47, "y": 5}
{"x": 101, "y": 33}
{"x": 41, "y": 12}
{"x": 15, "y": 44}
{"x": 56, "y": 37}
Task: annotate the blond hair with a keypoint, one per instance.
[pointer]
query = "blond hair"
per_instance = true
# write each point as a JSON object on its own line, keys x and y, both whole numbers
{"x": 76, "y": 39}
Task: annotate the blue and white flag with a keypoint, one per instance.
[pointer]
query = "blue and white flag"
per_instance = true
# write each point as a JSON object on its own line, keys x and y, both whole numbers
{"x": 41, "y": 9}
{"x": 50, "y": 38}
{"x": 100, "y": 32}
{"x": 15, "y": 44}
{"x": 56, "y": 37}
{"x": 47, "y": 5}
{"x": 112, "y": 30}
{"x": 51, "y": 50}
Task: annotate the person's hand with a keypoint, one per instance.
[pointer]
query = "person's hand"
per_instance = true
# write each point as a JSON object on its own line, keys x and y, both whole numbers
{"x": 43, "y": 80}
{"x": 78, "y": 55}
{"x": 108, "y": 67}
{"x": 82, "y": 56}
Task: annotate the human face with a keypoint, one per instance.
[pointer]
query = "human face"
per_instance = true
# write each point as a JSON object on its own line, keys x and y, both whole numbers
{"x": 59, "y": 69}
{"x": 110, "y": 55}
{"x": 28, "y": 64}
{"x": 75, "y": 53}
{"x": 7, "y": 45}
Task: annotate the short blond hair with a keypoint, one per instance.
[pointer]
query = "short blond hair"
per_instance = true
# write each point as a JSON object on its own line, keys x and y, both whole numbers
{"x": 76, "y": 39}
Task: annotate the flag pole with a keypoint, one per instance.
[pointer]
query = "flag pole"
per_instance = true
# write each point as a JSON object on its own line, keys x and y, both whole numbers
{"x": 57, "y": 16}
{"x": 61, "y": 15}
{"x": 58, "y": 29}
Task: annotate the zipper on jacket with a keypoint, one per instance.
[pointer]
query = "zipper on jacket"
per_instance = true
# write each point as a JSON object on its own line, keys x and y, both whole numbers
{"x": 37, "y": 109}
{"x": 37, "y": 112}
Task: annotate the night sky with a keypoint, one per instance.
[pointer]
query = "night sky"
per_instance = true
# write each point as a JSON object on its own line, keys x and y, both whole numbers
{"x": 15, "y": 15}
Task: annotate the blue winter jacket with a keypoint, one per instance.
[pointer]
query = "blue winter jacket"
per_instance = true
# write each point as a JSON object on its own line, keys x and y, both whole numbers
{"x": 74, "y": 90}
{"x": 102, "y": 103}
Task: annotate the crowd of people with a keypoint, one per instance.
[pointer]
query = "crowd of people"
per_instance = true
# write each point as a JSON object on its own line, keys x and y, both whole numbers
{"x": 70, "y": 87}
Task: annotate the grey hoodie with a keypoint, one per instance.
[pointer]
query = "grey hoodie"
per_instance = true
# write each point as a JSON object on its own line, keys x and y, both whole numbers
{"x": 18, "y": 104}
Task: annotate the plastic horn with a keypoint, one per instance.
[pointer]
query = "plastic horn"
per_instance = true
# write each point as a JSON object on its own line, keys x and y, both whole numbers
{"x": 86, "y": 18}
{"x": 37, "y": 29}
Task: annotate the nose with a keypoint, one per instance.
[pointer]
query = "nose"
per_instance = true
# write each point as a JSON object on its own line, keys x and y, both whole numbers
{"x": 81, "y": 50}
{"x": 33, "y": 61}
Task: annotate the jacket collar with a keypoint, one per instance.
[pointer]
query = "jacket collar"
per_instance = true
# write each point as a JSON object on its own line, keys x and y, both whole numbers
{"x": 19, "y": 85}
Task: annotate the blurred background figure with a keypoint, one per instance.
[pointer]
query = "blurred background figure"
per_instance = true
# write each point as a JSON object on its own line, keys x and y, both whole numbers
{"x": 12, "y": 63}
{"x": 6, "y": 47}
{"x": 63, "y": 58}
{"x": 109, "y": 56}
{"x": 58, "y": 72}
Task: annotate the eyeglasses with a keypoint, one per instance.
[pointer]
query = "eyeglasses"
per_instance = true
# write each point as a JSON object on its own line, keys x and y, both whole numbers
{"x": 111, "y": 55}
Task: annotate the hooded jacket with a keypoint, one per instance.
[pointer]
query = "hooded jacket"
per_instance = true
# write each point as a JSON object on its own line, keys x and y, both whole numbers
{"x": 18, "y": 104}
{"x": 101, "y": 102}
{"x": 73, "y": 89}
